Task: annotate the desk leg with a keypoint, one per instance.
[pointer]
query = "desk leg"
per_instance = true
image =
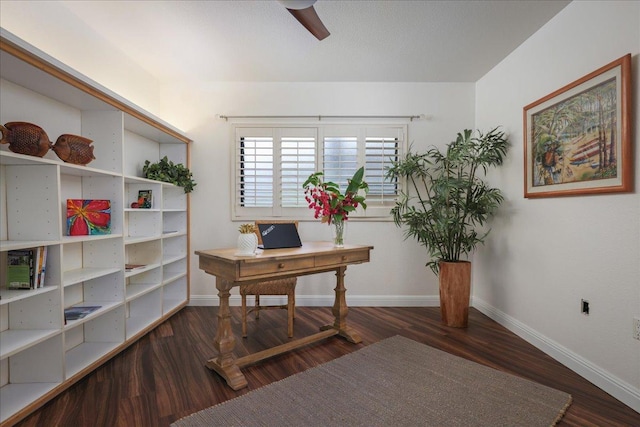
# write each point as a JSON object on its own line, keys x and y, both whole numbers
{"x": 340, "y": 311}
{"x": 225, "y": 363}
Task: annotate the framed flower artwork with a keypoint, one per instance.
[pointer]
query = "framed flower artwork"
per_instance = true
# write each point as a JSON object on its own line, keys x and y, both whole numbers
{"x": 88, "y": 217}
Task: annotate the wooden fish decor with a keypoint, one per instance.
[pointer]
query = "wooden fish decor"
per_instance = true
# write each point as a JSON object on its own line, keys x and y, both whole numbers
{"x": 25, "y": 138}
{"x": 74, "y": 149}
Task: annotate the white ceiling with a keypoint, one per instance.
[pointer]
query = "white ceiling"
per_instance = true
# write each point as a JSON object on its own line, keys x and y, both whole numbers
{"x": 374, "y": 41}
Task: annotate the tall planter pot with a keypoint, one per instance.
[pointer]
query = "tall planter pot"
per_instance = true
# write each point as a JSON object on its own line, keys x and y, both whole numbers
{"x": 455, "y": 289}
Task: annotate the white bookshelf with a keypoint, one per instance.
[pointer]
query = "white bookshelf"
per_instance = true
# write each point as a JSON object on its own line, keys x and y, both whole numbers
{"x": 82, "y": 270}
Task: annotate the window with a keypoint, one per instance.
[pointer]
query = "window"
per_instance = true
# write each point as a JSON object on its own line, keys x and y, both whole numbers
{"x": 379, "y": 153}
{"x": 339, "y": 158}
{"x": 256, "y": 171}
{"x": 298, "y": 161}
{"x": 272, "y": 163}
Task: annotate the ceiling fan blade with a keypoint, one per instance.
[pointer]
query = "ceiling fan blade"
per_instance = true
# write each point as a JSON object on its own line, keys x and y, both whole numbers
{"x": 311, "y": 21}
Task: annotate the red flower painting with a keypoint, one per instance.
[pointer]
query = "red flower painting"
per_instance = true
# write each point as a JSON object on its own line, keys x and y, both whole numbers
{"x": 88, "y": 217}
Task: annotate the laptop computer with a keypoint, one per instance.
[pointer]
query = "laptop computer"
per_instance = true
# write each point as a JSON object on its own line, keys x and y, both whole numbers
{"x": 277, "y": 236}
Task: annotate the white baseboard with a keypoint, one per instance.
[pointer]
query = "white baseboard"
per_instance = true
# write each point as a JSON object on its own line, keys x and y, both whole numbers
{"x": 616, "y": 387}
{"x": 327, "y": 300}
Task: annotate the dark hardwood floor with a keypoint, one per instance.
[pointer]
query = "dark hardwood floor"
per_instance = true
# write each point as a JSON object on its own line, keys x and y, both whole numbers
{"x": 162, "y": 377}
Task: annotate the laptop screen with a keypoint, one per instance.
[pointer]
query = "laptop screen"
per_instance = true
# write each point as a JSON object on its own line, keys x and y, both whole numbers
{"x": 275, "y": 236}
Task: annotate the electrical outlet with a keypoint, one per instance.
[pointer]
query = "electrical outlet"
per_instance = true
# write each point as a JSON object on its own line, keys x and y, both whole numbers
{"x": 636, "y": 328}
{"x": 584, "y": 307}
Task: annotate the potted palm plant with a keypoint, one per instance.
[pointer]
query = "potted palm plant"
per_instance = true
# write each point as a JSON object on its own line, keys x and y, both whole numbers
{"x": 444, "y": 207}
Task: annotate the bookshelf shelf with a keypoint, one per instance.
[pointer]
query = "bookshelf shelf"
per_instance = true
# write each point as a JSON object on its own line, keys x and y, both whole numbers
{"x": 170, "y": 258}
{"x": 10, "y": 245}
{"x": 14, "y": 159}
{"x": 83, "y": 274}
{"x": 81, "y": 239}
{"x": 141, "y": 210}
{"x": 89, "y": 341}
{"x": 12, "y": 295}
{"x": 138, "y": 289}
{"x": 13, "y": 396}
{"x": 74, "y": 170}
{"x": 171, "y": 276}
{"x": 141, "y": 270}
{"x": 139, "y": 180}
{"x": 140, "y": 239}
{"x": 82, "y": 270}
{"x": 105, "y": 306}
{"x": 136, "y": 324}
{"x": 170, "y": 234}
{"x": 143, "y": 311}
{"x": 13, "y": 341}
{"x": 85, "y": 354}
{"x": 170, "y": 304}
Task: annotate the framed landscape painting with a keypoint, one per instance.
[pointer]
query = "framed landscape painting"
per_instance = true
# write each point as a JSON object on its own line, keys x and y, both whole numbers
{"x": 577, "y": 140}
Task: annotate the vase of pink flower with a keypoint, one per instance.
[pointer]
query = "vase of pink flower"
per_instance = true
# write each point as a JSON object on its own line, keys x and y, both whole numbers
{"x": 333, "y": 207}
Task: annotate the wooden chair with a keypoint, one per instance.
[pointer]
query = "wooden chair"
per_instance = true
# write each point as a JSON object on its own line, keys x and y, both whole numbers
{"x": 272, "y": 287}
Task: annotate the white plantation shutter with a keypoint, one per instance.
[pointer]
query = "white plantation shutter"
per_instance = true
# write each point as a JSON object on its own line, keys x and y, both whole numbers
{"x": 381, "y": 148}
{"x": 254, "y": 171}
{"x": 271, "y": 166}
{"x": 297, "y": 162}
{"x": 340, "y": 158}
{"x": 272, "y": 163}
{"x": 255, "y": 183}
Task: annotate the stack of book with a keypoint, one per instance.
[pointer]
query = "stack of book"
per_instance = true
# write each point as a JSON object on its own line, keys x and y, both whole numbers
{"x": 26, "y": 268}
{"x": 79, "y": 312}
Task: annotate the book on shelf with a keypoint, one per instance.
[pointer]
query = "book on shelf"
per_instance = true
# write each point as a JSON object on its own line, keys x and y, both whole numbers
{"x": 129, "y": 267}
{"x": 75, "y": 313}
{"x": 20, "y": 269}
{"x": 26, "y": 268}
{"x": 37, "y": 261}
{"x": 145, "y": 199}
{"x": 43, "y": 266}
{"x": 40, "y": 262}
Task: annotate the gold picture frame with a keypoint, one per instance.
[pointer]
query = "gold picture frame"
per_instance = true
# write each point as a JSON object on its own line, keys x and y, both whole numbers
{"x": 577, "y": 140}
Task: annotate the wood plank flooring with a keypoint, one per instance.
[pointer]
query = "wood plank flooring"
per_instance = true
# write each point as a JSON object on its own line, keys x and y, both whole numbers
{"x": 162, "y": 377}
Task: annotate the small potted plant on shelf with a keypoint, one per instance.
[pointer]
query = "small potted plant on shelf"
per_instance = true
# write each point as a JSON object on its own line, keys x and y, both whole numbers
{"x": 443, "y": 207}
{"x": 167, "y": 171}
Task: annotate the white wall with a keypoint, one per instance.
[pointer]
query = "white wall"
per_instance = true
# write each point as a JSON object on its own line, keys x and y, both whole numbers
{"x": 396, "y": 273}
{"x": 52, "y": 28}
{"x": 544, "y": 255}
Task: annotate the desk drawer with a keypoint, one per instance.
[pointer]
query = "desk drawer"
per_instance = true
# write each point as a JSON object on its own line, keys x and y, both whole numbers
{"x": 274, "y": 266}
{"x": 340, "y": 259}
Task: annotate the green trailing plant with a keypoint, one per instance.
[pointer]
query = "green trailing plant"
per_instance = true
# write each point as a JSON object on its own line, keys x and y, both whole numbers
{"x": 446, "y": 201}
{"x": 167, "y": 171}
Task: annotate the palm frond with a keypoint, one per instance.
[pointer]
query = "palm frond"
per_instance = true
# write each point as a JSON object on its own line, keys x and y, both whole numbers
{"x": 445, "y": 201}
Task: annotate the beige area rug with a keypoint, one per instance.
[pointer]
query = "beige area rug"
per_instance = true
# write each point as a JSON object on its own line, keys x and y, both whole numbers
{"x": 395, "y": 382}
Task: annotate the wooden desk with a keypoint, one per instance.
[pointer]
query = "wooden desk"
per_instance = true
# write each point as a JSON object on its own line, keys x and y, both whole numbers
{"x": 311, "y": 258}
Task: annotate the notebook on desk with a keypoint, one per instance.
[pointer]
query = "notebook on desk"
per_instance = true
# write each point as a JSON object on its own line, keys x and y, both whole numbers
{"x": 277, "y": 236}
